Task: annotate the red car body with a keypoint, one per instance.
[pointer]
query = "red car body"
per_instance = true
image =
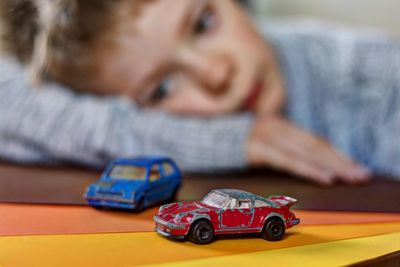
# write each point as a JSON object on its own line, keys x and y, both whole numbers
{"x": 226, "y": 211}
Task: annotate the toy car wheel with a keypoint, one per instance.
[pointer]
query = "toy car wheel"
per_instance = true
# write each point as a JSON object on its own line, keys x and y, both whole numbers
{"x": 201, "y": 232}
{"x": 140, "y": 205}
{"x": 98, "y": 207}
{"x": 173, "y": 196}
{"x": 274, "y": 229}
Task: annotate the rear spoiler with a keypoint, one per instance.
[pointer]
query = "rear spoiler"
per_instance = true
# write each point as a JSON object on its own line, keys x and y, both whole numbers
{"x": 284, "y": 200}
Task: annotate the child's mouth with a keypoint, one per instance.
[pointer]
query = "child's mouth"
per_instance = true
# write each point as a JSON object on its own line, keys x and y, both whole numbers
{"x": 254, "y": 93}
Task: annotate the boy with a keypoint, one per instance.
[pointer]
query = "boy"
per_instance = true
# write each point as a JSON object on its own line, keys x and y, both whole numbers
{"x": 207, "y": 60}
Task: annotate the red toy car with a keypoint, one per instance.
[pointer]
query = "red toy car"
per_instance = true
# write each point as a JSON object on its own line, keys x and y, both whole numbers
{"x": 226, "y": 211}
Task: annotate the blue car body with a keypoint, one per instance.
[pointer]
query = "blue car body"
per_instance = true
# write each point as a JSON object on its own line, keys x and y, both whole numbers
{"x": 157, "y": 179}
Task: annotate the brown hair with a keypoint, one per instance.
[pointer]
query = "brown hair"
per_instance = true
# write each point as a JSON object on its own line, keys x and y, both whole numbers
{"x": 19, "y": 19}
{"x": 57, "y": 37}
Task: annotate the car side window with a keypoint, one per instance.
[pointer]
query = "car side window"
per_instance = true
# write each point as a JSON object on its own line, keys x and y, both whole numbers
{"x": 154, "y": 173}
{"x": 233, "y": 204}
{"x": 168, "y": 169}
{"x": 259, "y": 203}
{"x": 244, "y": 204}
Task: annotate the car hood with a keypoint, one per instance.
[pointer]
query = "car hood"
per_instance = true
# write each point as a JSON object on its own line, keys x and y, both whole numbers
{"x": 171, "y": 210}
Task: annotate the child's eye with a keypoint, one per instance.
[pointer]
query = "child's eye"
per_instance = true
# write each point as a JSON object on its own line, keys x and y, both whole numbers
{"x": 205, "y": 21}
{"x": 161, "y": 92}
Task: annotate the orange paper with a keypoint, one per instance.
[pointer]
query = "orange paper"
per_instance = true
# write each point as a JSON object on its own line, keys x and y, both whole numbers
{"x": 19, "y": 219}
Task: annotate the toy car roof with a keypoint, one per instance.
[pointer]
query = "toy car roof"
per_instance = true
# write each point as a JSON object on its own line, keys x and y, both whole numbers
{"x": 141, "y": 161}
{"x": 235, "y": 193}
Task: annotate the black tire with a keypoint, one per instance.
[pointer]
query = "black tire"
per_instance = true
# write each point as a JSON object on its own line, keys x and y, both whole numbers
{"x": 201, "y": 232}
{"x": 140, "y": 205}
{"x": 99, "y": 207}
{"x": 172, "y": 198}
{"x": 274, "y": 229}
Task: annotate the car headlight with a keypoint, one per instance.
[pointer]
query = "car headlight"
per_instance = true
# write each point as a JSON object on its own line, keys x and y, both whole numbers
{"x": 188, "y": 218}
{"x": 183, "y": 218}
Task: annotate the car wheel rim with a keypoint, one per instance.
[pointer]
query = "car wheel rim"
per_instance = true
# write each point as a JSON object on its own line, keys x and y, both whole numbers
{"x": 276, "y": 230}
{"x": 204, "y": 233}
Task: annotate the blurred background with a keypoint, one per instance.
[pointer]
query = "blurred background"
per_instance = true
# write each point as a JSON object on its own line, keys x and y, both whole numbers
{"x": 378, "y": 14}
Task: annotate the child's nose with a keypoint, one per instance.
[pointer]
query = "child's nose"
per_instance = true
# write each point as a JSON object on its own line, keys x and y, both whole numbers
{"x": 216, "y": 73}
{"x": 213, "y": 71}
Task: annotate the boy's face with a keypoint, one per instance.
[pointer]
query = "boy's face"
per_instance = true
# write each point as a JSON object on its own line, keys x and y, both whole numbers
{"x": 199, "y": 57}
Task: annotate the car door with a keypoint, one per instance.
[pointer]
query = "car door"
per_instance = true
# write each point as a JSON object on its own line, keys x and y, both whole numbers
{"x": 238, "y": 214}
{"x": 158, "y": 184}
{"x": 169, "y": 173}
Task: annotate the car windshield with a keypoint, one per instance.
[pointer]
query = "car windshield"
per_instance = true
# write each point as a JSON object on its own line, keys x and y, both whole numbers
{"x": 127, "y": 172}
{"x": 215, "y": 199}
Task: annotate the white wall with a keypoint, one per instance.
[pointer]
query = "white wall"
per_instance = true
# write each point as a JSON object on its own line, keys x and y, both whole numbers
{"x": 381, "y": 14}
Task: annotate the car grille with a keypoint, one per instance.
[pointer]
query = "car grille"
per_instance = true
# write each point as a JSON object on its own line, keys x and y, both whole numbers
{"x": 110, "y": 194}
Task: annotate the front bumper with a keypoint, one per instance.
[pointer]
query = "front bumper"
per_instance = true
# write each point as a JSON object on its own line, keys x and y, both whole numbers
{"x": 97, "y": 202}
{"x": 169, "y": 229}
{"x": 162, "y": 232}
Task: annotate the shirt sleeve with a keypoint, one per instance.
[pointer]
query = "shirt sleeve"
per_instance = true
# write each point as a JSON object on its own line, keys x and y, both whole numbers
{"x": 52, "y": 124}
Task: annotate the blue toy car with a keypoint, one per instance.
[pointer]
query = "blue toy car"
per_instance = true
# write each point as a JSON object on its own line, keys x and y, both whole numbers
{"x": 135, "y": 183}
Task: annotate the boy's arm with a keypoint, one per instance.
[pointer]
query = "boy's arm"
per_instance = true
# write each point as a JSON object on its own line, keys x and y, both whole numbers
{"x": 52, "y": 124}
